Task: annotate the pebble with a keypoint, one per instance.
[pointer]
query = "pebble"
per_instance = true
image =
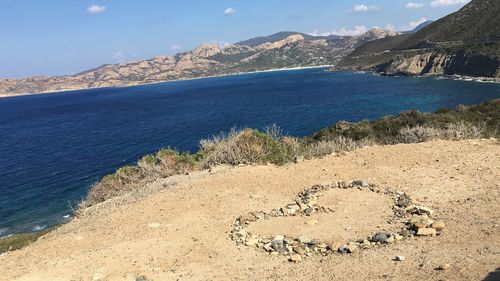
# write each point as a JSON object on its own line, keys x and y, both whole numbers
{"x": 399, "y": 258}
{"x": 380, "y": 237}
{"x": 426, "y": 232}
{"x": 295, "y": 258}
{"x": 252, "y": 241}
{"x": 421, "y": 221}
{"x": 444, "y": 266}
{"x": 438, "y": 225}
{"x": 141, "y": 278}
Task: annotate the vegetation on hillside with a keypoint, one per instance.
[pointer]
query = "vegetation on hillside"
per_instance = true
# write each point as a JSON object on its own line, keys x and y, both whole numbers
{"x": 250, "y": 146}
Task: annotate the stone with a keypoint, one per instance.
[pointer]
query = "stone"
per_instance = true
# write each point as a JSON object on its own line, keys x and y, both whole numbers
{"x": 309, "y": 211}
{"x": 247, "y": 218}
{"x": 301, "y": 250}
{"x": 421, "y": 221}
{"x": 268, "y": 247}
{"x": 380, "y": 237}
{"x": 295, "y": 258}
{"x": 420, "y": 210}
{"x": 403, "y": 201}
{"x": 141, "y": 278}
{"x": 426, "y": 232}
{"x": 348, "y": 249}
{"x": 438, "y": 225}
{"x": 303, "y": 239}
{"x": 278, "y": 238}
{"x": 343, "y": 184}
{"x": 390, "y": 239}
{"x": 444, "y": 266}
{"x": 252, "y": 241}
{"x": 399, "y": 258}
{"x": 242, "y": 234}
{"x": 311, "y": 222}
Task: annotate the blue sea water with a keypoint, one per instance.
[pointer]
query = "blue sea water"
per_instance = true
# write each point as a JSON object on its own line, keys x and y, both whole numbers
{"x": 53, "y": 147}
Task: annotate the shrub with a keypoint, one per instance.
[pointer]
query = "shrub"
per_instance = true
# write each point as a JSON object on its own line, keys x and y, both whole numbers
{"x": 418, "y": 134}
{"x": 464, "y": 130}
{"x": 248, "y": 146}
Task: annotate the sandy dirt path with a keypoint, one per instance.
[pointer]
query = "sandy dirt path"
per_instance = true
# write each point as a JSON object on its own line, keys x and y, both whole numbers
{"x": 182, "y": 231}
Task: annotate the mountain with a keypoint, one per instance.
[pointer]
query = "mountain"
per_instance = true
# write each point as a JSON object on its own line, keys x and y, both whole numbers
{"x": 281, "y": 50}
{"x": 422, "y": 25}
{"x": 466, "y": 42}
{"x": 253, "y": 42}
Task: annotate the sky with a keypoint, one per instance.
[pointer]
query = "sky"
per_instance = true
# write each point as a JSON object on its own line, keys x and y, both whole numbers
{"x": 58, "y": 37}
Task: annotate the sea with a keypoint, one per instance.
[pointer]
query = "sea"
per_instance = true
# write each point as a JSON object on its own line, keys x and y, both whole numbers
{"x": 54, "y": 147}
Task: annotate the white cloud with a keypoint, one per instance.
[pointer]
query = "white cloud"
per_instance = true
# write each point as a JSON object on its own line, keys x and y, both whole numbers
{"x": 413, "y": 5}
{"x": 357, "y": 30}
{"x": 361, "y": 8}
{"x": 390, "y": 27}
{"x": 119, "y": 57}
{"x": 416, "y": 23}
{"x": 444, "y": 3}
{"x": 229, "y": 11}
{"x": 224, "y": 44}
{"x": 176, "y": 47}
{"x": 96, "y": 9}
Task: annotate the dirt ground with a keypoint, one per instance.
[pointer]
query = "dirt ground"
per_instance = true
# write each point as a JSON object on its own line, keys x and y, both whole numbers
{"x": 182, "y": 231}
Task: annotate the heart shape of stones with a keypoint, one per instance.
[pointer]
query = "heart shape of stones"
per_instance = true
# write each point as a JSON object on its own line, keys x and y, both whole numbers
{"x": 415, "y": 221}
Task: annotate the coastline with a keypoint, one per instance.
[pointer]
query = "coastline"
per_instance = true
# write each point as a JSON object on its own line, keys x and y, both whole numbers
{"x": 166, "y": 81}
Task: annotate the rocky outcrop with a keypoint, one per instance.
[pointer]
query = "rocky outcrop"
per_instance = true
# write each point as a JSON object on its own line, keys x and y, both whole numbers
{"x": 441, "y": 63}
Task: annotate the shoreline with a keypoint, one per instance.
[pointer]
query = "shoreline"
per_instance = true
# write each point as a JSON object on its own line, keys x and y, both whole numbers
{"x": 166, "y": 81}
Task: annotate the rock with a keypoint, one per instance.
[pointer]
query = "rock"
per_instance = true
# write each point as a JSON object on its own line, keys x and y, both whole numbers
{"x": 390, "y": 239}
{"x": 301, "y": 250}
{"x": 438, "y": 225}
{"x": 403, "y": 201}
{"x": 295, "y": 258}
{"x": 252, "y": 241}
{"x": 303, "y": 239}
{"x": 309, "y": 211}
{"x": 268, "y": 247}
{"x": 241, "y": 234}
{"x": 359, "y": 183}
{"x": 426, "y": 232}
{"x": 380, "y": 237}
{"x": 278, "y": 238}
{"x": 348, "y": 249}
{"x": 444, "y": 266}
{"x": 247, "y": 218}
{"x": 399, "y": 258}
{"x": 311, "y": 222}
{"x": 343, "y": 184}
{"x": 420, "y": 210}
{"x": 421, "y": 221}
{"x": 141, "y": 278}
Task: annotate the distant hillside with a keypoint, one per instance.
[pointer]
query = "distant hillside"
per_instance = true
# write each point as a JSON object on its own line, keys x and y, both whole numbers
{"x": 253, "y": 42}
{"x": 422, "y": 25}
{"x": 281, "y": 50}
{"x": 466, "y": 42}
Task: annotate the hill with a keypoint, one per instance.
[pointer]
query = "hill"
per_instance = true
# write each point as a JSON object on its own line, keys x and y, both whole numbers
{"x": 466, "y": 42}
{"x": 253, "y": 42}
{"x": 281, "y": 50}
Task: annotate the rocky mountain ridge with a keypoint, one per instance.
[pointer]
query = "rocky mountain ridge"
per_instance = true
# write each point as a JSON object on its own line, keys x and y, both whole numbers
{"x": 295, "y": 50}
{"x": 466, "y": 42}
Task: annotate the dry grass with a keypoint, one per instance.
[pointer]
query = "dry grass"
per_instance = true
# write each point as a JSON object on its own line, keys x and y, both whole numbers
{"x": 250, "y": 146}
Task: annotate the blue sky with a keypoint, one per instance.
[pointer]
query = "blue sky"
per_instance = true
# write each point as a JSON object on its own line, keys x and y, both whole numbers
{"x": 55, "y": 37}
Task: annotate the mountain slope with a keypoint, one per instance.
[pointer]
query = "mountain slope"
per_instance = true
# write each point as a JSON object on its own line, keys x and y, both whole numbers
{"x": 253, "y": 42}
{"x": 466, "y": 42}
{"x": 294, "y": 50}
